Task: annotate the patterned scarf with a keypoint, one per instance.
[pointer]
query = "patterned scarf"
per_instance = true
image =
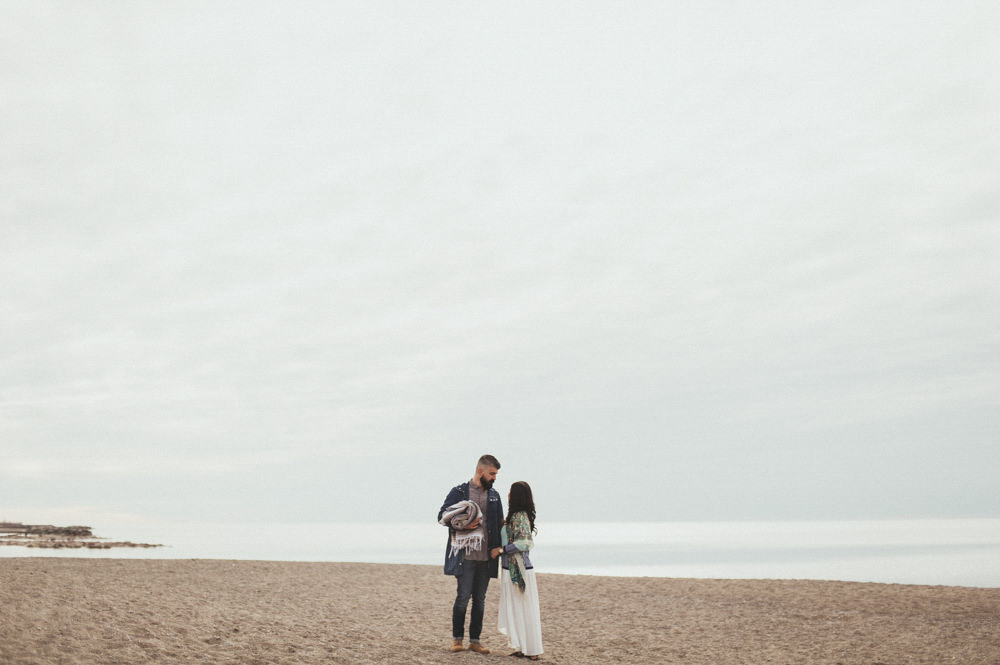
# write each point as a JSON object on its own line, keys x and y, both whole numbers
{"x": 458, "y": 518}
{"x": 518, "y": 531}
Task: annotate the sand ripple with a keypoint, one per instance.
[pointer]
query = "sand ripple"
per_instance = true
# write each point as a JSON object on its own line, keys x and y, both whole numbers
{"x": 101, "y": 611}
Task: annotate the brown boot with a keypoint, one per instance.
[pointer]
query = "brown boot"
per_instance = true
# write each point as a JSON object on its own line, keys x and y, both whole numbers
{"x": 478, "y": 648}
{"x": 456, "y": 645}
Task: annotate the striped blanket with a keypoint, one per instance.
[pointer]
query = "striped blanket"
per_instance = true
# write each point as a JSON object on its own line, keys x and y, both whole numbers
{"x": 458, "y": 518}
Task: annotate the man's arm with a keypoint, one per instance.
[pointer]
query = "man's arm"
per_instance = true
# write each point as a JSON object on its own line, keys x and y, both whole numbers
{"x": 454, "y": 496}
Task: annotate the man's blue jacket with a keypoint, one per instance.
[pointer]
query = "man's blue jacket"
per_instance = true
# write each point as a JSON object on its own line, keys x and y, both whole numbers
{"x": 494, "y": 520}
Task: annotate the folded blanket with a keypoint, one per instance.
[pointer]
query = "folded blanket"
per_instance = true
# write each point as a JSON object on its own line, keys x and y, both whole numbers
{"x": 458, "y": 518}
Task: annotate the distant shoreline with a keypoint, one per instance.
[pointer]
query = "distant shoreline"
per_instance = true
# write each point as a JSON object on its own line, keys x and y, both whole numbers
{"x": 48, "y": 536}
{"x": 958, "y": 552}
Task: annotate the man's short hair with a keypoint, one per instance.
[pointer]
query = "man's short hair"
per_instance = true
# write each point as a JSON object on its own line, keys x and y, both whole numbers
{"x": 488, "y": 461}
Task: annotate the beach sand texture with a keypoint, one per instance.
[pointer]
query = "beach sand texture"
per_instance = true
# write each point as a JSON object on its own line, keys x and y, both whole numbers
{"x": 107, "y": 611}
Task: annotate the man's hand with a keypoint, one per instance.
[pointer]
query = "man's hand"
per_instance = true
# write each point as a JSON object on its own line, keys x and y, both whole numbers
{"x": 474, "y": 524}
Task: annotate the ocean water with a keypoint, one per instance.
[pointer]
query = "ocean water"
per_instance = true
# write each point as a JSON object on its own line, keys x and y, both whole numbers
{"x": 958, "y": 552}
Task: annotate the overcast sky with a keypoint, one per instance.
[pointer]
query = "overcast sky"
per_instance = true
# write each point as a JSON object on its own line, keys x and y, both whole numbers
{"x": 665, "y": 260}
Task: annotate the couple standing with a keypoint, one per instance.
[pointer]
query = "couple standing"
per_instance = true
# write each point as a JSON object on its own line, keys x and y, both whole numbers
{"x": 481, "y": 542}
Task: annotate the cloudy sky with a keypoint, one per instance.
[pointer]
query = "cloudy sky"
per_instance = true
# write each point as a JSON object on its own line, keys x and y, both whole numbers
{"x": 666, "y": 260}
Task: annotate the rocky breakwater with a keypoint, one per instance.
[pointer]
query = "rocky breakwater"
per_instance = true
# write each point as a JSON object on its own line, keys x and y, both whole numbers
{"x": 58, "y": 537}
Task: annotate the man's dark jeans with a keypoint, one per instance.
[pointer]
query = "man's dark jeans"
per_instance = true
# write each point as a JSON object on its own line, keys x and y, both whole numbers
{"x": 472, "y": 583}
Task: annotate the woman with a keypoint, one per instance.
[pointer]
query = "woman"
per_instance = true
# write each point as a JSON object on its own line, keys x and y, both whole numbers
{"x": 519, "y": 618}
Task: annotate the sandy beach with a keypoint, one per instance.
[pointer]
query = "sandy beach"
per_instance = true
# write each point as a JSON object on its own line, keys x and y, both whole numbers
{"x": 106, "y": 611}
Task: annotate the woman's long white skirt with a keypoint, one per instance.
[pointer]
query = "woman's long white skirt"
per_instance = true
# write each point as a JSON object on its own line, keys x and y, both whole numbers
{"x": 520, "y": 619}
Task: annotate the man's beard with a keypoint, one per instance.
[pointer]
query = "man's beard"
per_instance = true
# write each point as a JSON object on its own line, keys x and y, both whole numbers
{"x": 485, "y": 484}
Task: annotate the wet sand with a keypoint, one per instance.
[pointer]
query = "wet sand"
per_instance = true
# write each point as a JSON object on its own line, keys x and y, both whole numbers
{"x": 107, "y": 611}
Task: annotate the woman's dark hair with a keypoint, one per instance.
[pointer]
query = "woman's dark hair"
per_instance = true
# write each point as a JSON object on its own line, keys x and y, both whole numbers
{"x": 521, "y": 501}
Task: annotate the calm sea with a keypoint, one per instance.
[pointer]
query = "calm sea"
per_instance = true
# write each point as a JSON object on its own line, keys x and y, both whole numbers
{"x": 962, "y": 552}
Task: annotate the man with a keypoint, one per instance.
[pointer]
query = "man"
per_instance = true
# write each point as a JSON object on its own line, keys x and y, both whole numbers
{"x": 474, "y": 568}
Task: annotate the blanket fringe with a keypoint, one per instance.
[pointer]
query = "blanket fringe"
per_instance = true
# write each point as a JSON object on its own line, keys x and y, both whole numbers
{"x": 462, "y": 542}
